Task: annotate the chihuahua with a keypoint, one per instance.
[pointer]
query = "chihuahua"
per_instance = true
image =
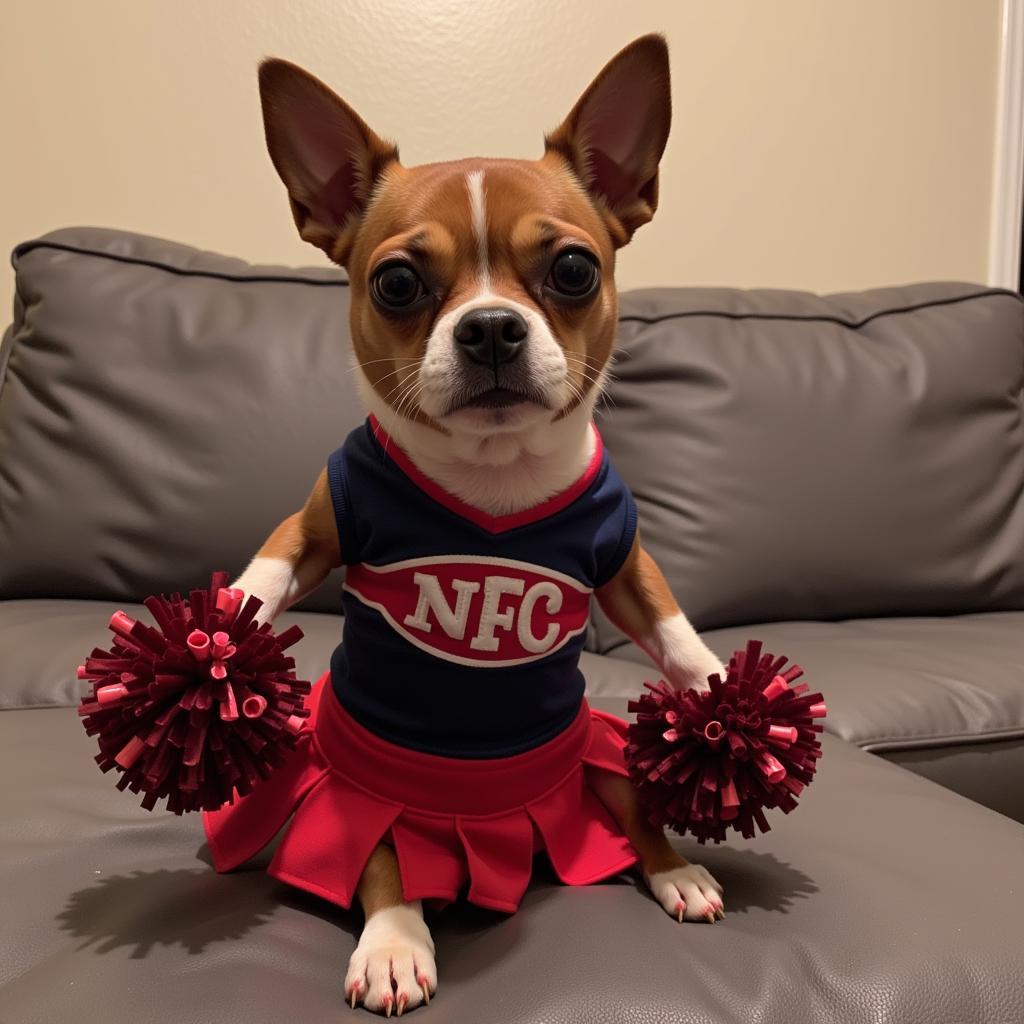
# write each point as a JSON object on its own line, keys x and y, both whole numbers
{"x": 483, "y": 319}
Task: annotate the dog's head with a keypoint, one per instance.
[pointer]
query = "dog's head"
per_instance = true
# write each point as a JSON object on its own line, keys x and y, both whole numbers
{"x": 483, "y": 294}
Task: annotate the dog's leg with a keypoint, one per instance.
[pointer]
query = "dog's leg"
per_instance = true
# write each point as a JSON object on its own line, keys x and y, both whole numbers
{"x": 392, "y": 968}
{"x": 686, "y": 891}
{"x": 639, "y": 602}
{"x": 296, "y": 558}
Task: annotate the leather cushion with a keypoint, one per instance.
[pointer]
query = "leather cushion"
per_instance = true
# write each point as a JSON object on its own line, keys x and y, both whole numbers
{"x": 796, "y": 456}
{"x": 161, "y": 411}
{"x": 882, "y": 897}
{"x": 163, "y": 408}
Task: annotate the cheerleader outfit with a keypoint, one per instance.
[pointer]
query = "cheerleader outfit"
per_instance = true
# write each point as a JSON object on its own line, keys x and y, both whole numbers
{"x": 452, "y": 723}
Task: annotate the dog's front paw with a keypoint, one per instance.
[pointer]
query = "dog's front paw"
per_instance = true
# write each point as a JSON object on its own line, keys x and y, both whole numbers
{"x": 392, "y": 969}
{"x": 695, "y": 677}
{"x": 711, "y": 667}
{"x": 688, "y": 893}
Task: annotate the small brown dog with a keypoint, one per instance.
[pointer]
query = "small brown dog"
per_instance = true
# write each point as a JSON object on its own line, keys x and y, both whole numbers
{"x": 484, "y": 315}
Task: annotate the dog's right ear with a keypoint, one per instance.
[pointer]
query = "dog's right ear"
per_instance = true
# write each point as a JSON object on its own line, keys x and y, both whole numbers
{"x": 327, "y": 156}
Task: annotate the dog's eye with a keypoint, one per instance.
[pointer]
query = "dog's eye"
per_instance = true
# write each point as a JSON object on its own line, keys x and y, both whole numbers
{"x": 397, "y": 285}
{"x": 574, "y": 274}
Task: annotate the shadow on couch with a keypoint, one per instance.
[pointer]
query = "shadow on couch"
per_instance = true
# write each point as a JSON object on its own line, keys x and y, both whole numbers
{"x": 756, "y": 880}
{"x": 187, "y": 907}
{"x": 195, "y": 907}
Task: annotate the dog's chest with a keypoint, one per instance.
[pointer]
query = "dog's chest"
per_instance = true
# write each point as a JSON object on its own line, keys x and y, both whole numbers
{"x": 462, "y": 630}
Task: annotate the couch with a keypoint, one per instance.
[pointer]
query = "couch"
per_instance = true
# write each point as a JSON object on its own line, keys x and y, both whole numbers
{"x": 841, "y": 476}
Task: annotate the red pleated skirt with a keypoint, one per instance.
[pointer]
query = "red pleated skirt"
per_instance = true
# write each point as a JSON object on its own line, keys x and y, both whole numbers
{"x": 452, "y": 822}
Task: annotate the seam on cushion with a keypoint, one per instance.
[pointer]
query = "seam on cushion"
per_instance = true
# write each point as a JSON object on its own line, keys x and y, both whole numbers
{"x": 38, "y": 707}
{"x": 887, "y": 743}
{"x": 27, "y": 247}
{"x": 6, "y": 348}
{"x": 11, "y": 333}
{"x": 821, "y": 317}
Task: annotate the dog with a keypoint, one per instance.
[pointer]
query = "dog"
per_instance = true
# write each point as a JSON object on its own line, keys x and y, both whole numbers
{"x": 483, "y": 320}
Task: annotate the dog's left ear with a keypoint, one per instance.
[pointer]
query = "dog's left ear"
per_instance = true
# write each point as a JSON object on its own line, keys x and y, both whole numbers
{"x": 614, "y": 137}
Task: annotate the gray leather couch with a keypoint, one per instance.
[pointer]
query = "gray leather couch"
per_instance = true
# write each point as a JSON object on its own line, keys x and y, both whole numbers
{"x": 841, "y": 476}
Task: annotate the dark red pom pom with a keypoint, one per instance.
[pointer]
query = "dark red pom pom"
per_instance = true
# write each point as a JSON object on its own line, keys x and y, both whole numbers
{"x": 705, "y": 762}
{"x": 198, "y": 708}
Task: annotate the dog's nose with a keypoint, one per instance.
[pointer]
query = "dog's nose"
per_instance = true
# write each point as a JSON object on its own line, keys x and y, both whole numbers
{"x": 491, "y": 336}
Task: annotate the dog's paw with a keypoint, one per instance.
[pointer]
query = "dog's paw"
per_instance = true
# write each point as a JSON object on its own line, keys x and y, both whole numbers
{"x": 392, "y": 969}
{"x": 711, "y": 667}
{"x": 695, "y": 677}
{"x": 688, "y": 893}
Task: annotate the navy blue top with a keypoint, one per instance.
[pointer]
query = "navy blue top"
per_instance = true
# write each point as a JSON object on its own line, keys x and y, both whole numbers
{"x": 463, "y": 631}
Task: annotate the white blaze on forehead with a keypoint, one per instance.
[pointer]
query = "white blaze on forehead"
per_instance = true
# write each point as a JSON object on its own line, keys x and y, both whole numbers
{"x": 478, "y": 211}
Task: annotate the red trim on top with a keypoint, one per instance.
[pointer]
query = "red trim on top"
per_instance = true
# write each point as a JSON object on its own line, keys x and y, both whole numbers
{"x": 493, "y": 524}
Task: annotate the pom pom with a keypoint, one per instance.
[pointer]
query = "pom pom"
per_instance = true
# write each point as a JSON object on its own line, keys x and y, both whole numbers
{"x": 705, "y": 762}
{"x": 198, "y": 708}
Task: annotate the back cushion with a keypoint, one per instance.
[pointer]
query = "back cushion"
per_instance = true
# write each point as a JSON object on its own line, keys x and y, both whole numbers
{"x": 805, "y": 457}
{"x": 793, "y": 456}
{"x": 161, "y": 411}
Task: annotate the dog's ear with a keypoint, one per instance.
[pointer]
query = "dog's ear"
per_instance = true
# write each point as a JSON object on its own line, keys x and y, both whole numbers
{"x": 327, "y": 156}
{"x": 614, "y": 137}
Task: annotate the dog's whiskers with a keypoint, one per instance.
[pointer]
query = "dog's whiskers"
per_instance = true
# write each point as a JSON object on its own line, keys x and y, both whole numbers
{"x": 371, "y": 362}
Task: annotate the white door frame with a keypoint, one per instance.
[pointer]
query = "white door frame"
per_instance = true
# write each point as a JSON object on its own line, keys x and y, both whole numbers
{"x": 1008, "y": 172}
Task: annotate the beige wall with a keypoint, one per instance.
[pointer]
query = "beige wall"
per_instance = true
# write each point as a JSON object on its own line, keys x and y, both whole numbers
{"x": 822, "y": 144}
